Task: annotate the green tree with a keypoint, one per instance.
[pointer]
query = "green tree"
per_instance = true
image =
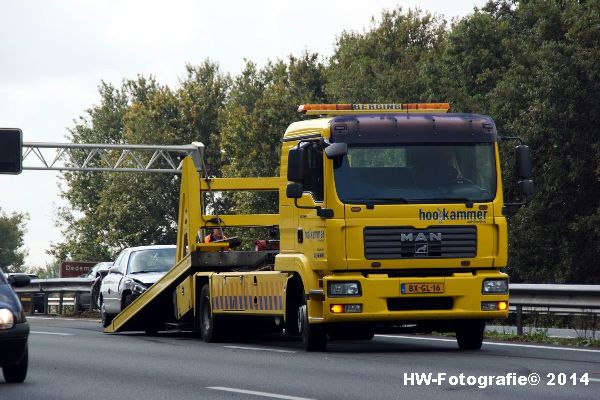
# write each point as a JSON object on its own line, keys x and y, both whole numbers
{"x": 549, "y": 94}
{"x": 49, "y": 270}
{"x": 261, "y": 104}
{"x": 12, "y": 229}
{"x": 473, "y": 59}
{"x": 388, "y": 62}
{"x": 110, "y": 211}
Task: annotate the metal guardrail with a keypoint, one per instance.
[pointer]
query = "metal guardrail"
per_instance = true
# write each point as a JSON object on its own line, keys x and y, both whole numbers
{"x": 42, "y": 294}
{"x": 524, "y": 298}
{"x": 553, "y": 299}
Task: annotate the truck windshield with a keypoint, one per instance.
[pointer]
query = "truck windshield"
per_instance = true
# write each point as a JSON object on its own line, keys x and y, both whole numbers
{"x": 424, "y": 173}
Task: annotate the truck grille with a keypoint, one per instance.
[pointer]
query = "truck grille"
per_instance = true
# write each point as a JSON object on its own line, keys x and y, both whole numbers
{"x": 405, "y": 242}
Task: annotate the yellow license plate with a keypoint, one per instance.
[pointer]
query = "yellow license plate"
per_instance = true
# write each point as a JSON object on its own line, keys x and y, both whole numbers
{"x": 418, "y": 288}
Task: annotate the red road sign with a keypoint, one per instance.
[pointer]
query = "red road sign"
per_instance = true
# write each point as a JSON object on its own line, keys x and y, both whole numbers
{"x": 72, "y": 269}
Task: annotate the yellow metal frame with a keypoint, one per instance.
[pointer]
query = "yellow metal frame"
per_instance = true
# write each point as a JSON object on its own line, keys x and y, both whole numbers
{"x": 178, "y": 272}
{"x": 191, "y": 219}
{"x": 237, "y": 184}
{"x": 249, "y": 293}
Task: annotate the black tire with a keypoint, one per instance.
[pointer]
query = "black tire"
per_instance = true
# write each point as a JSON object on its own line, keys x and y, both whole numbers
{"x": 106, "y": 318}
{"x": 469, "y": 335}
{"x": 314, "y": 336}
{"x": 17, "y": 373}
{"x": 293, "y": 301}
{"x": 127, "y": 300}
{"x": 210, "y": 326}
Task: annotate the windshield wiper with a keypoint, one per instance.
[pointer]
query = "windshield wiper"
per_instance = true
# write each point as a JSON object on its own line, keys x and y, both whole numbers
{"x": 450, "y": 200}
{"x": 141, "y": 272}
{"x": 381, "y": 200}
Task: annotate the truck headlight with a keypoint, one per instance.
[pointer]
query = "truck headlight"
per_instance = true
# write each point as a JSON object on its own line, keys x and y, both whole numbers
{"x": 7, "y": 319}
{"x": 343, "y": 289}
{"x": 495, "y": 286}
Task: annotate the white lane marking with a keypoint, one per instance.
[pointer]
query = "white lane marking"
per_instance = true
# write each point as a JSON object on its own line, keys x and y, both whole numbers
{"x": 52, "y": 333}
{"x": 255, "y": 393}
{"x": 259, "y": 349}
{"x": 65, "y": 319}
{"x": 531, "y": 346}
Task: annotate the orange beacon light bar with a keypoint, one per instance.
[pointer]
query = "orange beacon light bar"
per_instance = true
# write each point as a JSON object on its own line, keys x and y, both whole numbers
{"x": 343, "y": 109}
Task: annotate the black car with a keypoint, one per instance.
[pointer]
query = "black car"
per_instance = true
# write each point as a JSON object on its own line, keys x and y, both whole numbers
{"x": 14, "y": 329}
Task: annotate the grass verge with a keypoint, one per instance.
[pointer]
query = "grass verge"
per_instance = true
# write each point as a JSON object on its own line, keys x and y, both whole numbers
{"x": 541, "y": 336}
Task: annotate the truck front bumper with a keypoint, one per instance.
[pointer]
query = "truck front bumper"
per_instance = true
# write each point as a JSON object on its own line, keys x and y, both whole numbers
{"x": 385, "y": 299}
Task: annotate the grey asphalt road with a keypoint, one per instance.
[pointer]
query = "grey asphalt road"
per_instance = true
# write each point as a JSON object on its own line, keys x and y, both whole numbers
{"x": 73, "y": 359}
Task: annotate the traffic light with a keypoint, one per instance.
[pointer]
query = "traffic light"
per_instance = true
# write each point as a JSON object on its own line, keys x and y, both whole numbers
{"x": 11, "y": 143}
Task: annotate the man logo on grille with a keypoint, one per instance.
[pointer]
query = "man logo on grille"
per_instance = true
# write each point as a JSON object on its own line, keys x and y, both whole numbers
{"x": 420, "y": 237}
{"x": 422, "y": 249}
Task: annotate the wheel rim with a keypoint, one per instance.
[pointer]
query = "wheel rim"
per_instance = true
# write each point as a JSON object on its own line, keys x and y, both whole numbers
{"x": 301, "y": 317}
{"x": 102, "y": 312}
{"x": 206, "y": 315}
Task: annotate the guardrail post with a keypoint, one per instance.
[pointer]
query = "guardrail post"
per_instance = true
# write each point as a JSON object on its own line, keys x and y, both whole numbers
{"x": 519, "y": 320}
{"x": 32, "y": 308}
{"x": 60, "y": 304}
{"x": 46, "y": 309}
{"x": 76, "y": 302}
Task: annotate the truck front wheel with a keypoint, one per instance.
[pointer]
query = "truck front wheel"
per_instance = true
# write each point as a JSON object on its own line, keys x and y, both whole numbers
{"x": 314, "y": 336}
{"x": 209, "y": 323}
{"x": 469, "y": 335}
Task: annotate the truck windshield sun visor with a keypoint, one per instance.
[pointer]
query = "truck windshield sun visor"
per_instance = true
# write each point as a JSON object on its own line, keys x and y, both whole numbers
{"x": 411, "y": 128}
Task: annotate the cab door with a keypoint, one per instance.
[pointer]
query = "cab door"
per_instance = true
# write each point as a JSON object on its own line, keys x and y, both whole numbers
{"x": 311, "y": 235}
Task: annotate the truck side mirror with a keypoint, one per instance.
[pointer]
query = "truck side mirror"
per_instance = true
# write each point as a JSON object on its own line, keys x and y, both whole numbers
{"x": 11, "y": 144}
{"x": 295, "y": 170}
{"x": 294, "y": 190}
{"x": 523, "y": 158}
{"x": 336, "y": 150}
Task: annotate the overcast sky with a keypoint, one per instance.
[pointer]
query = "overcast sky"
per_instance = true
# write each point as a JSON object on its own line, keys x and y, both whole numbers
{"x": 53, "y": 54}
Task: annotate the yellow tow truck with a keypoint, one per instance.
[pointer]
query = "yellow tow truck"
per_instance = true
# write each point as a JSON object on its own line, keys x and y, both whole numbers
{"x": 391, "y": 219}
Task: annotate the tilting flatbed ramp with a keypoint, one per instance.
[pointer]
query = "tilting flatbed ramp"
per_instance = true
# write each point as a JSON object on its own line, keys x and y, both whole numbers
{"x": 154, "y": 307}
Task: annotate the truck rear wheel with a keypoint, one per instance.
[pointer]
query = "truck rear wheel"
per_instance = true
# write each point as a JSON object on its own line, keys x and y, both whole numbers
{"x": 314, "y": 336}
{"x": 209, "y": 323}
{"x": 469, "y": 335}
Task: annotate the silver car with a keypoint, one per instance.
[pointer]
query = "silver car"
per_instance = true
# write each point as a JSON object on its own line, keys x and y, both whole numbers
{"x": 134, "y": 271}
